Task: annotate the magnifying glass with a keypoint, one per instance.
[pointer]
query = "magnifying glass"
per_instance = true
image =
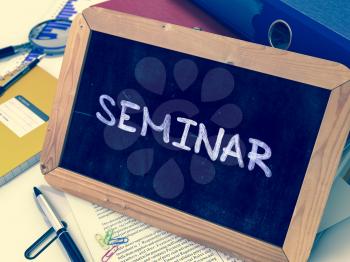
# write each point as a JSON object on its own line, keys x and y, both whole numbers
{"x": 48, "y": 37}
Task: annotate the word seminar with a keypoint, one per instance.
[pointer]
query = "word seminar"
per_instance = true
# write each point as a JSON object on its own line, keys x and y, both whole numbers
{"x": 215, "y": 152}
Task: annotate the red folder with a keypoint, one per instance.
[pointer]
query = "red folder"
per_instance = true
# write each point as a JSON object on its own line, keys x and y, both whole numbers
{"x": 179, "y": 12}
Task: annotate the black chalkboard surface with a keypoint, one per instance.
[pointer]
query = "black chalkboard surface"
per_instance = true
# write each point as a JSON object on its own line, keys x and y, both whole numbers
{"x": 284, "y": 114}
{"x": 228, "y": 143}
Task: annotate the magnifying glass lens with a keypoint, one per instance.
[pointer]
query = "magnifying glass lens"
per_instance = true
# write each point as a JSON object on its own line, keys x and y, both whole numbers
{"x": 50, "y": 36}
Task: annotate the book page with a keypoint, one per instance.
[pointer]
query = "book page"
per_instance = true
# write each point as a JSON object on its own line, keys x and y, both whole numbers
{"x": 144, "y": 242}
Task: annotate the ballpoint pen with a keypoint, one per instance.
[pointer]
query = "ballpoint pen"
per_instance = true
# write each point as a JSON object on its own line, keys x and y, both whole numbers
{"x": 61, "y": 231}
{"x": 19, "y": 74}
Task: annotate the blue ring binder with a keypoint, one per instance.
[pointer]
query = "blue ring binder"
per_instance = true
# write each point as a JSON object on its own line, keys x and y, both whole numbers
{"x": 317, "y": 31}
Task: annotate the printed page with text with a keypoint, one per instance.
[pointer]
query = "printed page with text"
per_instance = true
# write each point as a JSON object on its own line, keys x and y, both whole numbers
{"x": 111, "y": 236}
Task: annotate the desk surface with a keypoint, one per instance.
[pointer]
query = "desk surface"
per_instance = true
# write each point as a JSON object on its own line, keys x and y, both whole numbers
{"x": 21, "y": 222}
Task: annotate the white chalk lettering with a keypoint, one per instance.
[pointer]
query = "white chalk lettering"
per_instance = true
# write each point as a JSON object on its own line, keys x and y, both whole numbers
{"x": 256, "y": 158}
{"x": 125, "y": 117}
{"x": 165, "y": 126}
{"x": 227, "y": 151}
{"x": 203, "y": 137}
{"x": 188, "y": 123}
{"x": 232, "y": 148}
{"x": 99, "y": 116}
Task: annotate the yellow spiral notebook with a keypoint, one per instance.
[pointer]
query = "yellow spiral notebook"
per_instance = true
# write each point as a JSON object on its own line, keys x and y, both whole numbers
{"x": 24, "y": 112}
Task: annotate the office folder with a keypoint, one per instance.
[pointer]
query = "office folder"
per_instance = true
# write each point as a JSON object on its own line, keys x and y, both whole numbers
{"x": 24, "y": 111}
{"x": 179, "y": 12}
{"x": 316, "y": 28}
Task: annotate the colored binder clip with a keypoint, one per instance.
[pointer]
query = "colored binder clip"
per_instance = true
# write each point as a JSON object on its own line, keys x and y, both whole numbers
{"x": 32, "y": 251}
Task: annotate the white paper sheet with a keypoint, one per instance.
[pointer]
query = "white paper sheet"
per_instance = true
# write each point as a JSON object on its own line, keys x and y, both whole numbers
{"x": 19, "y": 116}
{"x": 338, "y": 207}
{"x": 333, "y": 244}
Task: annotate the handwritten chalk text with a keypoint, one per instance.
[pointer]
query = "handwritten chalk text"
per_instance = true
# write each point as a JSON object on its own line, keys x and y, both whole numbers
{"x": 214, "y": 152}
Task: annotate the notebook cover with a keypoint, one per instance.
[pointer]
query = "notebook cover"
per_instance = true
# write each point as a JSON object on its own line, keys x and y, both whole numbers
{"x": 179, "y": 12}
{"x": 38, "y": 87}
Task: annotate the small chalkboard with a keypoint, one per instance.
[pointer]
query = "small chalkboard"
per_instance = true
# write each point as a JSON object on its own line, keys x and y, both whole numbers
{"x": 231, "y": 144}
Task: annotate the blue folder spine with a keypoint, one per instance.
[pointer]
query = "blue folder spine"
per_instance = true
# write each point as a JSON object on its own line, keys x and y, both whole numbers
{"x": 251, "y": 19}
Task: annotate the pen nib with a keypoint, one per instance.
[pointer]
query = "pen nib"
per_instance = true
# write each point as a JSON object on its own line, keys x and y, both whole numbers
{"x": 36, "y": 191}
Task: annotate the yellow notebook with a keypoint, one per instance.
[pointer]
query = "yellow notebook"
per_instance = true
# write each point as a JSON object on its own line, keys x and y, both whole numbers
{"x": 24, "y": 111}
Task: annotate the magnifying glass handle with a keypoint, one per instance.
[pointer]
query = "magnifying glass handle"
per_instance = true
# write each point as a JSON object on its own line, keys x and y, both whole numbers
{"x": 11, "y": 50}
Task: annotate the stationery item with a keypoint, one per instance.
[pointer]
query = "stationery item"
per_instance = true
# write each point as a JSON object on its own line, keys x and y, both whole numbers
{"x": 42, "y": 39}
{"x": 27, "y": 224}
{"x": 118, "y": 240}
{"x": 59, "y": 9}
{"x": 21, "y": 116}
{"x": 19, "y": 74}
{"x": 48, "y": 37}
{"x": 42, "y": 243}
{"x": 332, "y": 244}
{"x": 64, "y": 10}
{"x": 145, "y": 243}
{"x": 192, "y": 118}
{"x": 338, "y": 208}
{"x": 109, "y": 254}
{"x": 179, "y": 12}
{"x": 24, "y": 111}
{"x": 313, "y": 27}
{"x": 60, "y": 230}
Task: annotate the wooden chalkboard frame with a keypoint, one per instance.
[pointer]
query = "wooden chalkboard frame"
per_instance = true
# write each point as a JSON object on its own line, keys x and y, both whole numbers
{"x": 321, "y": 169}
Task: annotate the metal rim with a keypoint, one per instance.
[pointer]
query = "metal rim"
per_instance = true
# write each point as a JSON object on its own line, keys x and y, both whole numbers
{"x": 284, "y": 23}
{"x": 54, "y": 50}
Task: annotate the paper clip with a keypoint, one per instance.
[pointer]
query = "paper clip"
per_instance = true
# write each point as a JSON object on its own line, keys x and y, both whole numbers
{"x": 118, "y": 241}
{"x": 108, "y": 236}
{"x": 29, "y": 253}
{"x": 109, "y": 254}
{"x": 99, "y": 238}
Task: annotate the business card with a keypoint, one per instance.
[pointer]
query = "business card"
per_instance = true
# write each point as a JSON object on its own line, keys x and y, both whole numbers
{"x": 21, "y": 116}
